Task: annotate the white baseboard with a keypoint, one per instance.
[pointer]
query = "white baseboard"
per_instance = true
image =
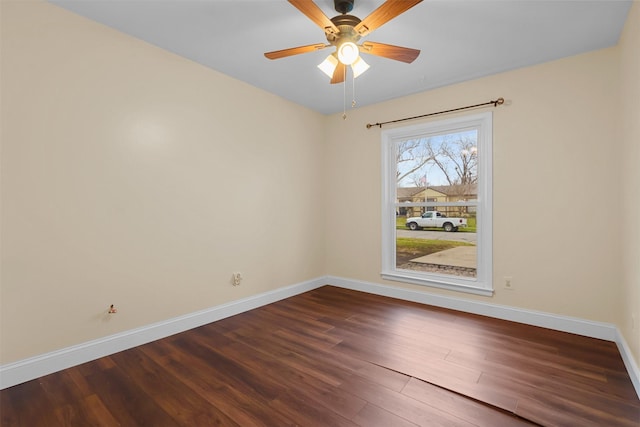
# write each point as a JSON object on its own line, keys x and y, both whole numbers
{"x": 629, "y": 361}
{"x": 28, "y": 369}
{"x": 35, "y": 367}
{"x": 605, "y": 331}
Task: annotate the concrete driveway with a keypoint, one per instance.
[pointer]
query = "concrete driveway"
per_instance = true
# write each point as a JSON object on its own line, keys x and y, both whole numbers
{"x": 462, "y": 256}
{"x": 439, "y": 235}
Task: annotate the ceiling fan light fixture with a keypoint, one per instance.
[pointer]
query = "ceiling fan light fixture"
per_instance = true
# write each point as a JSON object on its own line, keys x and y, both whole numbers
{"x": 348, "y": 53}
{"x": 344, "y": 31}
{"x": 329, "y": 65}
{"x": 358, "y": 67}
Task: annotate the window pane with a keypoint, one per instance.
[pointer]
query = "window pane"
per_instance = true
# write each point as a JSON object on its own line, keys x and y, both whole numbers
{"x": 438, "y": 239}
{"x": 447, "y": 163}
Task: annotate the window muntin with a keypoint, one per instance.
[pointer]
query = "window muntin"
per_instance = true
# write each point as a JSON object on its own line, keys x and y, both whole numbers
{"x": 441, "y": 168}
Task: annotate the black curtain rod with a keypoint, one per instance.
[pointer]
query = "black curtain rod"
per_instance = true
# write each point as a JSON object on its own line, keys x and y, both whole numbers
{"x": 495, "y": 103}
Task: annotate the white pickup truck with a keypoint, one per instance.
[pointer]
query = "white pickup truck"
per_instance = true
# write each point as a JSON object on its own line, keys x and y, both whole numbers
{"x": 435, "y": 219}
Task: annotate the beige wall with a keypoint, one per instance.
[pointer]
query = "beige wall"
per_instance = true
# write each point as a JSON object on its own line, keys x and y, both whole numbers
{"x": 629, "y": 155}
{"x": 556, "y": 151}
{"x": 135, "y": 177}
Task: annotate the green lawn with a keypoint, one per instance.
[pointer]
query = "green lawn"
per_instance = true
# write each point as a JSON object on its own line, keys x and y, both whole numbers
{"x": 408, "y": 248}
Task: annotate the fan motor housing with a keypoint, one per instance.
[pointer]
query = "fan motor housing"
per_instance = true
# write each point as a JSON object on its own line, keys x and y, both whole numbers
{"x": 348, "y": 20}
{"x": 345, "y": 24}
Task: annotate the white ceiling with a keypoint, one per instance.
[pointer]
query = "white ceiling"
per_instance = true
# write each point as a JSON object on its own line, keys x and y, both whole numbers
{"x": 459, "y": 39}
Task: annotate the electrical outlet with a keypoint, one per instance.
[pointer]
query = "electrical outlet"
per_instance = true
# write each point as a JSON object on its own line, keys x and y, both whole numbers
{"x": 508, "y": 283}
{"x": 237, "y": 278}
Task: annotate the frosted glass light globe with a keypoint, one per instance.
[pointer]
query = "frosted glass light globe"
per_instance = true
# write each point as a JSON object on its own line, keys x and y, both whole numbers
{"x": 348, "y": 53}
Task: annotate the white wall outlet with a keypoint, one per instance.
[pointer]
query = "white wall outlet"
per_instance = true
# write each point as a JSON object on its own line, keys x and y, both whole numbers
{"x": 508, "y": 283}
{"x": 237, "y": 278}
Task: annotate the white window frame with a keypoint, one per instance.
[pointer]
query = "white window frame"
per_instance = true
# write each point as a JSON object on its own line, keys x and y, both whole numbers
{"x": 482, "y": 284}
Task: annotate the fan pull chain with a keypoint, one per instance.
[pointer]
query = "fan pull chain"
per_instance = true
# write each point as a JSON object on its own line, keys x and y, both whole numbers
{"x": 353, "y": 85}
{"x": 344, "y": 95}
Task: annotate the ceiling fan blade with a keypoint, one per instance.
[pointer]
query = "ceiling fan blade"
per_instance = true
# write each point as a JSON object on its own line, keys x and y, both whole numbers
{"x": 398, "y": 53}
{"x": 277, "y": 54}
{"x": 313, "y": 12}
{"x": 338, "y": 73}
{"x": 383, "y": 14}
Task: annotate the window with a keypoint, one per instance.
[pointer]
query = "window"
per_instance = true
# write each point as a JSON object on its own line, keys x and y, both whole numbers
{"x": 437, "y": 226}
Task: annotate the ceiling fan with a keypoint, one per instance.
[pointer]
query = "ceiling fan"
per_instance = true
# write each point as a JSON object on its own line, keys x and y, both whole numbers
{"x": 344, "y": 31}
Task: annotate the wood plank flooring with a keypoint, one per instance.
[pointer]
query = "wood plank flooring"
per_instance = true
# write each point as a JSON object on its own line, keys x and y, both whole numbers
{"x": 335, "y": 357}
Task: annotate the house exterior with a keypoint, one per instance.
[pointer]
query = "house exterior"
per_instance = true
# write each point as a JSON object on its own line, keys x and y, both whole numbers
{"x": 437, "y": 194}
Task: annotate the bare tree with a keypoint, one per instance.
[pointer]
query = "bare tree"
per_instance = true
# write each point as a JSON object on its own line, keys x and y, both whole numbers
{"x": 411, "y": 156}
{"x": 457, "y": 158}
{"x": 455, "y": 155}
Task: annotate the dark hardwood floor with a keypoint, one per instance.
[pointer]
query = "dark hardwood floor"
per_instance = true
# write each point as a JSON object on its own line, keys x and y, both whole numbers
{"x": 335, "y": 357}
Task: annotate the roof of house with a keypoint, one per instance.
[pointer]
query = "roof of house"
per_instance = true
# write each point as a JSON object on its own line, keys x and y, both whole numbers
{"x": 405, "y": 192}
{"x": 457, "y": 190}
{"x": 449, "y": 190}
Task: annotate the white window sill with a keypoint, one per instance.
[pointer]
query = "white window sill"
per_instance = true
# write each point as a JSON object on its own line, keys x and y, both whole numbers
{"x": 441, "y": 282}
